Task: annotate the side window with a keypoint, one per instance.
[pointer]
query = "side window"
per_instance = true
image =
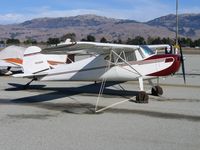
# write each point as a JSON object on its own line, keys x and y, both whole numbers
{"x": 130, "y": 56}
{"x": 122, "y": 55}
{"x": 114, "y": 58}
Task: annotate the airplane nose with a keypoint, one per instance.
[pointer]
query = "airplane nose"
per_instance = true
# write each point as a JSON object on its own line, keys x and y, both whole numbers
{"x": 179, "y": 58}
{"x": 177, "y": 63}
{"x": 176, "y": 59}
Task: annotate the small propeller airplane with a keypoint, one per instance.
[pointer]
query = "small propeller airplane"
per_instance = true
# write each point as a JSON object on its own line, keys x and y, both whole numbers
{"x": 109, "y": 62}
{"x": 12, "y": 57}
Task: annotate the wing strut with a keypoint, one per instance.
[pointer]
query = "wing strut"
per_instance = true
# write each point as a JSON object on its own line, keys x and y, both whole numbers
{"x": 104, "y": 83}
{"x": 127, "y": 63}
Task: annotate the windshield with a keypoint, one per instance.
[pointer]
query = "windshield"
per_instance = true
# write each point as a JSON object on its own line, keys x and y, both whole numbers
{"x": 147, "y": 50}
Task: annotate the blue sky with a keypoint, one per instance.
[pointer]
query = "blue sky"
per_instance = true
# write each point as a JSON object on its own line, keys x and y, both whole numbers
{"x": 14, "y": 11}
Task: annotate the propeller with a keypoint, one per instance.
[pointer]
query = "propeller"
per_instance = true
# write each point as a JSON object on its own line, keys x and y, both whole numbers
{"x": 182, "y": 62}
{"x": 178, "y": 44}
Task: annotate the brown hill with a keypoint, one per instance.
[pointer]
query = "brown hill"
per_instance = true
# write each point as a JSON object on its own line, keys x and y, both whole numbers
{"x": 189, "y": 24}
{"x": 112, "y": 29}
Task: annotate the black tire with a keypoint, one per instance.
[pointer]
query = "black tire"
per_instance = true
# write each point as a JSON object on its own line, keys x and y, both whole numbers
{"x": 142, "y": 97}
{"x": 157, "y": 91}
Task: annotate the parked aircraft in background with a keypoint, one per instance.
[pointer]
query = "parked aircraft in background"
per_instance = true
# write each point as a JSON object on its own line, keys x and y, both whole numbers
{"x": 12, "y": 58}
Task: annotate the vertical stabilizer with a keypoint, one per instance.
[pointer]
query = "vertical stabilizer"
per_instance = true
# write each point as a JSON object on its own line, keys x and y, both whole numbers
{"x": 33, "y": 61}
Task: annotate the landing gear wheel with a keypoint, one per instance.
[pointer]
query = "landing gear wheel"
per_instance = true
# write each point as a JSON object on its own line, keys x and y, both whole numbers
{"x": 142, "y": 97}
{"x": 157, "y": 91}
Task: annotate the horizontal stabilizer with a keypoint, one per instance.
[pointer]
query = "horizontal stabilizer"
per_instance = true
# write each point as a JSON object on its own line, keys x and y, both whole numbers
{"x": 23, "y": 75}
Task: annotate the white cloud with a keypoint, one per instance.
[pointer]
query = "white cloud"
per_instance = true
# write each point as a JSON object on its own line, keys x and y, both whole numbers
{"x": 11, "y": 18}
{"x": 145, "y": 10}
{"x": 190, "y": 10}
{"x": 137, "y": 14}
{"x": 141, "y": 10}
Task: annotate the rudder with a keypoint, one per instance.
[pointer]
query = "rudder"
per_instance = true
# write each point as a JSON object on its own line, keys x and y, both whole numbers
{"x": 33, "y": 61}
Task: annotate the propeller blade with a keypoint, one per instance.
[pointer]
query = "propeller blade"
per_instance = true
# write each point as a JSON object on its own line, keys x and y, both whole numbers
{"x": 182, "y": 62}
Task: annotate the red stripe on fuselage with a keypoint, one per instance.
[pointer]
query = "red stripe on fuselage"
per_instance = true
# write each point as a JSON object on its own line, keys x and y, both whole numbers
{"x": 168, "y": 58}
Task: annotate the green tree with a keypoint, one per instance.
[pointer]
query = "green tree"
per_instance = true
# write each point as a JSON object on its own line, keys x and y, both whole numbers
{"x": 12, "y": 41}
{"x": 150, "y": 40}
{"x": 2, "y": 42}
{"x": 166, "y": 41}
{"x": 53, "y": 41}
{"x": 91, "y": 38}
{"x": 138, "y": 40}
{"x": 30, "y": 41}
{"x": 157, "y": 41}
{"x": 197, "y": 42}
{"x": 190, "y": 42}
{"x": 34, "y": 42}
{"x": 129, "y": 41}
{"x": 103, "y": 40}
{"x": 71, "y": 36}
{"x": 119, "y": 41}
{"x": 27, "y": 42}
{"x": 83, "y": 39}
{"x": 186, "y": 42}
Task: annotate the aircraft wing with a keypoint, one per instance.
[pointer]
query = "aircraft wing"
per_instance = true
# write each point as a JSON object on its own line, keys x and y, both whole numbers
{"x": 160, "y": 46}
{"x": 89, "y": 47}
{"x": 4, "y": 63}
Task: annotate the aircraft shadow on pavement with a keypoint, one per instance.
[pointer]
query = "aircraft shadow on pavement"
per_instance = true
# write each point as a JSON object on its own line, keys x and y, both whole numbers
{"x": 19, "y": 87}
{"x": 57, "y": 93}
{"x": 79, "y": 106}
{"x": 85, "y": 108}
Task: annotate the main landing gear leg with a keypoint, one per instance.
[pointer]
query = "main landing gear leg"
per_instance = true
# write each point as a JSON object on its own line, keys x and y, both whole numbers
{"x": 8, "y": 68}
{"x": 156, "y": 90}
{"x": 27, "y": 85}
{"x": 142, "y": 96}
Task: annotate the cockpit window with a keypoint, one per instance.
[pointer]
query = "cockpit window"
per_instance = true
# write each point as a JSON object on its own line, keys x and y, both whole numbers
{"x": 123, "y": 56}
{"x": 130, "y": 56}
{"x": 147, "y": 50}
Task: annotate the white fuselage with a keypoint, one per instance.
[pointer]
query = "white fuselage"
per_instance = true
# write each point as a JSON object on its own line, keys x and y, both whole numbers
{"x": 97, "y": 68}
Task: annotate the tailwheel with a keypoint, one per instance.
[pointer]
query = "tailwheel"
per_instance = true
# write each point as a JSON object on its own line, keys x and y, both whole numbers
{"x": 156, "y": 91}
{"x": 142, "y": 97}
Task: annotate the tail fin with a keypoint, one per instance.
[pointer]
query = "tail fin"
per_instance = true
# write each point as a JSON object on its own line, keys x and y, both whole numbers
{"x": 33, "y": 61}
